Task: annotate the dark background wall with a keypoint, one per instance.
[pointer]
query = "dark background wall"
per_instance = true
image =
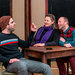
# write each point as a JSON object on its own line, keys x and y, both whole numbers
{"x": 4, "y": 7}
{"x": 63, "y": 8}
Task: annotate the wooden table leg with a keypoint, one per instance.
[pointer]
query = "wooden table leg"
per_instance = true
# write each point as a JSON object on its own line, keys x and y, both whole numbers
{"x": 44, "y": 60}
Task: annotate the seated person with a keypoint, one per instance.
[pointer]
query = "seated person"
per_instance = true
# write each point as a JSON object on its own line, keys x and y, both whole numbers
{"x": 11, "y": 56}
{"x": 67, "y": 39}
{"x": 47, "y": 35}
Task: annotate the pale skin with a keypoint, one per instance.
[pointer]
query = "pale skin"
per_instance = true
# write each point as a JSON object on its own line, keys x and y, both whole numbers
{"x": 63, "y": 25}
{"x": 47, "y": 23}
{"x": 10, "y": 28}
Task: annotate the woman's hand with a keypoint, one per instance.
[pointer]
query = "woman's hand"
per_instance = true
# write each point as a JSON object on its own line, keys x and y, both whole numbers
{"x": 39, "y": 44}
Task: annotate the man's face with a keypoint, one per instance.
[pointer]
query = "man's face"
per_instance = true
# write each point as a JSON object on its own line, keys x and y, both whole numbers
{"x": 11, "y": 25}
{"x": 61, "y": 23}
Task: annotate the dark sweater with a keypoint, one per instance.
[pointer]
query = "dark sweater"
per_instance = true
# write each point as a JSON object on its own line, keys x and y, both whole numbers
{"x": 9, "y": 44}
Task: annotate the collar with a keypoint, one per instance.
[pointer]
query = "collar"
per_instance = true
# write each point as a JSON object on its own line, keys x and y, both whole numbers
{"x": 67, "y": 29}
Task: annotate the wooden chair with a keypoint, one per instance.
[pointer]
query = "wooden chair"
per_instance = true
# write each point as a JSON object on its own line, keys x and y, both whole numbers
{"x": 5, "y": 72}
{"x": 68, "y": 67}
{"x": 8, "y": 73}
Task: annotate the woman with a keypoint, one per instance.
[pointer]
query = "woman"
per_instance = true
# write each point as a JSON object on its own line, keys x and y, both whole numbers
{"x": 48, "y": 34}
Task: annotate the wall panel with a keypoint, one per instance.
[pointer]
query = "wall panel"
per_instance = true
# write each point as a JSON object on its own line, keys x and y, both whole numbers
{"x": 38, "y": 12}
{"x": 18, "y": 15}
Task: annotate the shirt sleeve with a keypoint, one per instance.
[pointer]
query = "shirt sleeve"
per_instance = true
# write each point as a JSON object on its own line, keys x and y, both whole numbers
{"x": 72, "y": 42}
{"x": 61, "y": 43}
{"x": 26, "y": 44}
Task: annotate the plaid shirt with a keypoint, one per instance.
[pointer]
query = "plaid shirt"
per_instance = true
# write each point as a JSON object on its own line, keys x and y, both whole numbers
{"x": 68, "y": 33}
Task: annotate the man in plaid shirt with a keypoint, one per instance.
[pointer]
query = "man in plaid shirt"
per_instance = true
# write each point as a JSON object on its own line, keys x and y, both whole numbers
{"x": 67, "y": 39}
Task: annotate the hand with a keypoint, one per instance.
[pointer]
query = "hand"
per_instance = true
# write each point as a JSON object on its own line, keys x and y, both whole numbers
{"x": 39, "y": 44}
{"x": 62, "y": 39}
{"x": 33, "y": 27}
{"x": 13, "y": 60}
{"x": 67, "y": 45}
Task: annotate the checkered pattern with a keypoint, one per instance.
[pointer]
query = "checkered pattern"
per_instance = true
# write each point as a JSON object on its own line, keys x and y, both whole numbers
{"x": 68, "y": 33}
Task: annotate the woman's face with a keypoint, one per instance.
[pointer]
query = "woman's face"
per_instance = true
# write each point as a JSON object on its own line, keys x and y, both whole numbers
{"x": 48, "y": 22}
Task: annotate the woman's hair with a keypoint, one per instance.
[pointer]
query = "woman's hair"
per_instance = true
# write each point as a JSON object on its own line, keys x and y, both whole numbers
{"x": 52, "y": 17}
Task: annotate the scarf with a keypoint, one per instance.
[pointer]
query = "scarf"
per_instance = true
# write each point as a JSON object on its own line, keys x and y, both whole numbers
{"x": 45, "y": 36}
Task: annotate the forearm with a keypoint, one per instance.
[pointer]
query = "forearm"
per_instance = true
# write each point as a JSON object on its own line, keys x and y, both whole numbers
{"x": 61, "y": 43}
{"x": 25, "y": 44}
{"x": 30, "y": 38}
{"x": 53, "y": 43}
{"x": 71, "y": 42}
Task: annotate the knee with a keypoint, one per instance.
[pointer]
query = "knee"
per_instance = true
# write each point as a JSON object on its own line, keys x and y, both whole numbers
{"x": 46, "y": 67}
{"x": 22, "y": 66}
{"x": 72, "y": 59}
{"x": 57, "y": 60}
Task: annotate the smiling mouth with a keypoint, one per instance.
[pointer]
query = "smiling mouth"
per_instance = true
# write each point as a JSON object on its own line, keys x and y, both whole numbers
{"x": 46, "y": 24}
